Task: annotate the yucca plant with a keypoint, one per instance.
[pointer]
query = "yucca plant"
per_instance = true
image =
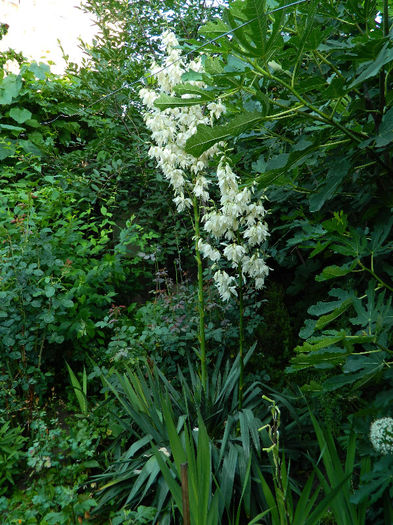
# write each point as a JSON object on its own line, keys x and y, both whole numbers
{"x": 135, "y": 476}
{"x": 195, "y": 495}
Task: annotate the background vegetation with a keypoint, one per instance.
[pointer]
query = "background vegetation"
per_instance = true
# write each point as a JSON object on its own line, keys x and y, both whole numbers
{"x": 100, "y": 396}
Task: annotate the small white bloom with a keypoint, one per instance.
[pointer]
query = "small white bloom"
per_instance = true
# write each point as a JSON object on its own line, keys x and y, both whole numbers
{"x": 256, "y": 234}
{"x": 200, "y": 188}
{"x": 216, "y": 109}
{"x": 234, "y": 253}
{"x": 225, "y": 285}
{"x": 381, "y": 435}
{"x": 259, "y": 283}
{"x": 148, "y": 97}
{"x": 182, "y": 203}
{"x": 208, "y": 251}
{"x": 255, "y": 267}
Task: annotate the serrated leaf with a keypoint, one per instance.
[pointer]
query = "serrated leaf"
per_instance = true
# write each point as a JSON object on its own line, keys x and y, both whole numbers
{"x": 206, "y": 136}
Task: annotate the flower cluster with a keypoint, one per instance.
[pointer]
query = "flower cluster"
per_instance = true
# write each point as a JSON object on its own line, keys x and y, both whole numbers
{"x": 235, "y": 229}
{"x": 381, "y": 435}
{"x": 239, "y": 228}
{"x": 172, "y": 127}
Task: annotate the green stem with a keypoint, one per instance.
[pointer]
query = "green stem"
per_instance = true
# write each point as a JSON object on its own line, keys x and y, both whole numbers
{"x": 241, "y": 337}
{"x": 371, "y": 272}
{"x": 201, "y": 301}
{"x": 318, "y": 114}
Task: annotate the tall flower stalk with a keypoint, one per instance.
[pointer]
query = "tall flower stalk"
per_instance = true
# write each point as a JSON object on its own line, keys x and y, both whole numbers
{"x": 186, "y": 174}
{"x": 230, "y": 232}
{"x": 201, "y": 299}
{"x": 241, "y": 337}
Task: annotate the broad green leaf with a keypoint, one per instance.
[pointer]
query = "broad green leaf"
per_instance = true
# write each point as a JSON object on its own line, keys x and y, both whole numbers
{"x": 187, "y": 88}
{"x": 214, "y": 29}
{"x": 20, "y": 114}
{"x": 255, "y": 10}
{"x": 50, "y": 291}
{"x": 322, "y": 359}
{"x": 384, "y": 57}
{"x": 9, "y": 127}
{"x": 30, "y": 147}
{"x": 40, "y": 70}
{"x": 336, "y": 382}
{"x": 9, "y": 88}
{"x": 206, "y": 136}
{"x": 320, "y": 342}
{"x": 385, "y": 131}
{"x": 367, "y": 363}
{"x": 332, "y": 272}
{"x": 304, "y": 37}
{"x": 326, "y": 319}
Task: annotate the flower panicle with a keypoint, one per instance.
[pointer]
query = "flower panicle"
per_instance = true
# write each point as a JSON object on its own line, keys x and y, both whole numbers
{"x": 234, "y": 229}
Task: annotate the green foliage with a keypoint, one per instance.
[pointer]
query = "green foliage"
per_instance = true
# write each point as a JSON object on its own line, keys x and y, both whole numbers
{"x": 342, "y": 506}
{"x": 11, "y": 454}
{"x": 316, "y": 110}
{"x": 79, "y": 389}
{"x": 309, "y": 119}
{"x": 59, "y": 459}
{"x": 165, "y": 330}
{"x": 59, "y": 272}
{"x": 287, "y": 504}
{"x": 203, "y": 503}
{"x": 134, "y": 477}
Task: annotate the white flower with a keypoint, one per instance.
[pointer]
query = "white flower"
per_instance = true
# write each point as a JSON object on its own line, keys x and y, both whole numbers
{"x": 200, "y": 188}
{"x": 217, "y": 224}
{"x": 234, "y": 253}
{"x": 256, "y": 234}
{"x": 148, "y": 97}
{"x": 169, "y": 39}
{"x": 255, "y": 267}
{"x": 237, "y": 222}
{"x": 381, "y": 435}
{"x": 208, "y": 251}
{"x": 259, "y": 283}
{"x": 175, "y": 177}
{"x": 216, "y": 109}
{"x": 224, "y": 284}
{"x": 182, "y": 203}
{"x": 255, "y": 212}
